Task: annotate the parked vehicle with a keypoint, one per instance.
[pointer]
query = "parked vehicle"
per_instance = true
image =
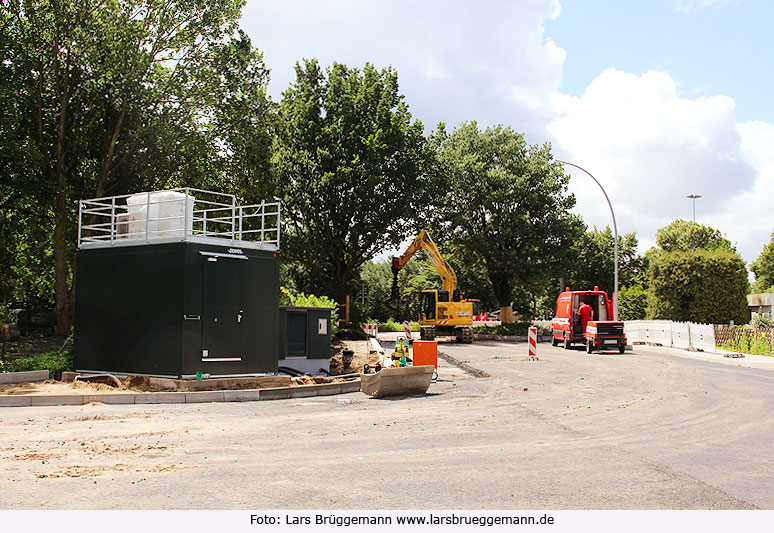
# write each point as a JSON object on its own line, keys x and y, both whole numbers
{"x": 600, "y": 333}
{"x": 478, "y": 314}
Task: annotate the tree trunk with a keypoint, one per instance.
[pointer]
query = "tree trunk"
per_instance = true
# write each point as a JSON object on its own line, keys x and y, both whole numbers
{"x": 62, "y": 293}
{"x": 503, "y": 289}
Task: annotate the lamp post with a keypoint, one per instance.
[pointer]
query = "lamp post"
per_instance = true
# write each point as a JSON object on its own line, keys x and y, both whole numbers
{"x": 693, "y": 200}
{"x": 615, "y": 237}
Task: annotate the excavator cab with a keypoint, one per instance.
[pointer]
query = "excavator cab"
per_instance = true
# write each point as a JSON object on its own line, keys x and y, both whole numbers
{"x": 427, "y": 305}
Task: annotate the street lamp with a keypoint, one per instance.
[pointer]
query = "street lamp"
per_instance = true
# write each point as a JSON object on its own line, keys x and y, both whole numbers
{"x": 693, "y": 200}
{"x": 615, "y": 237}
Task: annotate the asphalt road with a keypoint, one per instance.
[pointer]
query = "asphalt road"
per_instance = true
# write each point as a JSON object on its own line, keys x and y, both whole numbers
{"x": 643, "y": 430}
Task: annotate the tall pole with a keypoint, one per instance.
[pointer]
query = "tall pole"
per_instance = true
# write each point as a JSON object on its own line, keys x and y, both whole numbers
{"x": 693, "y": 200}
{"x": 615, "y": 237}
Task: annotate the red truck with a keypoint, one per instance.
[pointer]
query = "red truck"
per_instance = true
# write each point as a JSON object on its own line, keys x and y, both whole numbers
{"x": 600, "y": 333}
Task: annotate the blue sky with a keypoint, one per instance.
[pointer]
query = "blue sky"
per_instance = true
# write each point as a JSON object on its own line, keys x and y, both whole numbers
{"x": 723, "y": 48}
{"x": 657, "y": 99}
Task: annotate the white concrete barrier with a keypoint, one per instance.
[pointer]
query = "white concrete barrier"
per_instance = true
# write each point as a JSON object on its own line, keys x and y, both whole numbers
{"x": 681, "y": 335}
{"x": 684, "y": 335}
{"x": 703, "y": 337}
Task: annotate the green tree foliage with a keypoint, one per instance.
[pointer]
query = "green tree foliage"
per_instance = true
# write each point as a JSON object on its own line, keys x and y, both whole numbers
{"x": 707, "y": 284}
{"x": 686, "y": 236}
{"x": 632, "y": 303}
{"x": 592, "y": 261}
{"x": 763, "y": 268}
{"x": 110, "y": 96}
{"x": 506, "y": 206}
{"x": 417, "y": 276}
{"x": 701, "y": 286}
{"x": 353, "y": 170}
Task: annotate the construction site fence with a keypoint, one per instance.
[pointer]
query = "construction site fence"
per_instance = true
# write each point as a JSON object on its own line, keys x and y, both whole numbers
{"x": 684, "y": 335}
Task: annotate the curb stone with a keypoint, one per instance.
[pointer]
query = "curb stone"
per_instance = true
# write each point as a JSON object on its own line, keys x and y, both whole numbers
{"x": 243, "y": 395}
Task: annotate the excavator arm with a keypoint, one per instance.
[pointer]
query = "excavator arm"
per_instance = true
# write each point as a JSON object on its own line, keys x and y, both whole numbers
{"x": 422, "y": 242}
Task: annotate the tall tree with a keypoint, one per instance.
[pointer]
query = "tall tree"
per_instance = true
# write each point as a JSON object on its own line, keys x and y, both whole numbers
{"x": 696, "y": 275}
{"x": 592, "y": 261}
{"x": 507, "y": 205}
{"x": 113, "y": 95}
{"x": 763, "y": 268}
{"x": 687, "y": 236}
{"x": 354, "y": 169}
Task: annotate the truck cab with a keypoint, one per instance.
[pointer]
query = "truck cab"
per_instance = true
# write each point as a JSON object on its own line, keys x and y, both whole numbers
{"x": 601, "y": 331}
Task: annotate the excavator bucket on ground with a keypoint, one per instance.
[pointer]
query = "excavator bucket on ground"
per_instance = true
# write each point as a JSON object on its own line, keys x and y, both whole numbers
{"x": 397, "y": 381}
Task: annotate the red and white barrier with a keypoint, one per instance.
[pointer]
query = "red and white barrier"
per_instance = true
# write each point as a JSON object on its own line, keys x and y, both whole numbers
{"x": 371, "y": 329}
{"x": 407, "y": 329}
{"x": 532, "y": 341}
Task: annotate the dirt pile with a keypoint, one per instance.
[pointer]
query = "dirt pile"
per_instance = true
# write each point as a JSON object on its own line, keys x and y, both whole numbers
{"x": 360, "y": 358}
{"x": 315, "y": 380}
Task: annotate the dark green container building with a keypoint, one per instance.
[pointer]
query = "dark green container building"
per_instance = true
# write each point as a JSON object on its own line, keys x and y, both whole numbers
{"x": 178, "y": 299}
{"x": 305, "y": 338}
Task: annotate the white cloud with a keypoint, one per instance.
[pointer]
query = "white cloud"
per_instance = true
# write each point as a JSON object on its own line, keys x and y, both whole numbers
{"x": 648, "y": 141}
{"x": 456, "y": 60}
{"x": 692, "y": 6}
{"x": 650, "y": 147}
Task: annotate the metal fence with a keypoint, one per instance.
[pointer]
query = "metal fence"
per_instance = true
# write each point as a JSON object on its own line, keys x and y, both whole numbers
{"x": 177, "y": 214}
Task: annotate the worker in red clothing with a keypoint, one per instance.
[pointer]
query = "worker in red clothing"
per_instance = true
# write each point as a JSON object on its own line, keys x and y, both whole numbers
{"x": 586, "y": 313}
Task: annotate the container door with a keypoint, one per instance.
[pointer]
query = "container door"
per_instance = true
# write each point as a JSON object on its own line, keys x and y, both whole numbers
{"x": 222, "y": 308}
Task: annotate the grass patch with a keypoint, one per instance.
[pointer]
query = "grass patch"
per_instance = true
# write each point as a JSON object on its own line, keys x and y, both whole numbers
{"x": 391, "y": 325}
{"x": 51, "y": 361}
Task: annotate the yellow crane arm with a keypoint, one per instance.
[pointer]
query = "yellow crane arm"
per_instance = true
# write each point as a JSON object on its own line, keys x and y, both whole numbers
{"x": 424, "y": 242}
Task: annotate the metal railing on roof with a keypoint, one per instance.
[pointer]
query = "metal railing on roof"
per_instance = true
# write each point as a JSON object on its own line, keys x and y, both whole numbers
{"x": 185, "y": 214}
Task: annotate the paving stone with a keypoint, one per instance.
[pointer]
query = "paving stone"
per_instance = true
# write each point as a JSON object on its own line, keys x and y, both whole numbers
{"x": 244, "y": 395}
{"x": 350, "y": 386}
{"x": 56, "y": 399}
{"x": 275, "y": 394}
{"x": 303, "y": 391}
{"x": 23, "y": 377}
{"x": 119, "y": 398}
{"x": 15, "y": 401}
{"x": 159, "y": 397}
{"x": 203, "y": 396}
{"x": 329, "y": 389}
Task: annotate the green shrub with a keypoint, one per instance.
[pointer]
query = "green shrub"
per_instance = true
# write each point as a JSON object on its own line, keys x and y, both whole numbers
{"x": 708, "y": 287}
{"x": 749, "y": 340}
{"x": 353, "y": 332}
{"x": 761, "y": 321}
{"x": 50, "y": 361}
{"x": 299, "y": 299}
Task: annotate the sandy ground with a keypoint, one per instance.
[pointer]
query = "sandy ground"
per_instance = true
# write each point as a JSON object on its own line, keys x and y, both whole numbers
{"x": 643, "y": 430}
{"x": 361, "y": 357}
{"x": 56, "y": 387}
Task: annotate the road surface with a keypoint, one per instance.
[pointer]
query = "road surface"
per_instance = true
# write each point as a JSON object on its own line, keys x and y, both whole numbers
{"x": 643, "y": 430}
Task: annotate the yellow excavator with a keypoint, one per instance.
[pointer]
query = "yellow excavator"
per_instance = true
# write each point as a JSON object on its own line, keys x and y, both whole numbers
{"x": 442, "y": 312}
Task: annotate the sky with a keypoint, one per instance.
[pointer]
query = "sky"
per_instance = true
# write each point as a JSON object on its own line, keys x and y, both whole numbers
{"x": 657, "y": 99}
